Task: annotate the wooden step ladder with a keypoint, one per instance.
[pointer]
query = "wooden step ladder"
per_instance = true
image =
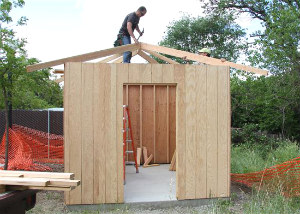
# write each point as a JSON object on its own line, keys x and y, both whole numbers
{"x": 128, "y": 141}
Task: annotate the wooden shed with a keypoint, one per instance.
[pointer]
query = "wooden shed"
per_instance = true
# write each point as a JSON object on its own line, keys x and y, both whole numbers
{"x": 186, "y": 107}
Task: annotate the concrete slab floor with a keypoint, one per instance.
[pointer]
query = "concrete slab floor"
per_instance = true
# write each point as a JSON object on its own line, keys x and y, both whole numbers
{"x": 151, "y": 184}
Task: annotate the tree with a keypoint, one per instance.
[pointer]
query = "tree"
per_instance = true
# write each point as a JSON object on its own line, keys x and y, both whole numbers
{"x": 219, "y": 33}
{"x": 277, "y": 47}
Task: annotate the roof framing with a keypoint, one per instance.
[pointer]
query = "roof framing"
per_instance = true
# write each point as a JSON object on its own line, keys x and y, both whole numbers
{"x": 115, "y": 55}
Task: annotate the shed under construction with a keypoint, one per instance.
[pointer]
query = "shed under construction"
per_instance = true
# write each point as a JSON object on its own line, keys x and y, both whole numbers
{"x": 186, "y": 107}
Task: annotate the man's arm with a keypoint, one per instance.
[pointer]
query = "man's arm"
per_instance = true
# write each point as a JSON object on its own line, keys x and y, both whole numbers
{"x": 129, "y": 28}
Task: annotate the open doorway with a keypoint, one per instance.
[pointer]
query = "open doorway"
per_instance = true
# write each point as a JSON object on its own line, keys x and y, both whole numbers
{"x": 152, "y": 110}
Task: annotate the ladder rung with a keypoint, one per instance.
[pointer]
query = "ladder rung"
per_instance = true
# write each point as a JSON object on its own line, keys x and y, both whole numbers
{"x": 130, "y": 162}
{"x": 129, "y": 152}
{"x": 125, "y": 130}
{"x": 128, "y": 141}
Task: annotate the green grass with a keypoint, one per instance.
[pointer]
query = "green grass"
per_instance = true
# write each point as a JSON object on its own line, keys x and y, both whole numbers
{"x": 248, "y": 157}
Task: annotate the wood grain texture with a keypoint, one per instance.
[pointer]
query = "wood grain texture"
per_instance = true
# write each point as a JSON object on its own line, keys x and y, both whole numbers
{"x": 212, "y": 131}
{"x": 179, "y": 76}
{"x": 191, "y": 128}
{"x": 201, "y": 136}
{"x": 87, "y": 140}
{"x": 222, "y": 131}
{"x": 66, "y": 127}
{"x": 75, "y": 132}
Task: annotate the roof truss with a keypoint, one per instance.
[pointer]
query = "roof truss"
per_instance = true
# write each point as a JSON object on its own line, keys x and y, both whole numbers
{"x": 114, "y": 55}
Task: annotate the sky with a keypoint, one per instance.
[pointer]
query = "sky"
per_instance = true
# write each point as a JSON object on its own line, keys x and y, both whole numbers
{"x": 62, "y": 28}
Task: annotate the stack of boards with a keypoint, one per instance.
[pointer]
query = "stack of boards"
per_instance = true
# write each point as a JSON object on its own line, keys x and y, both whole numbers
{"x": 22, "y": 180}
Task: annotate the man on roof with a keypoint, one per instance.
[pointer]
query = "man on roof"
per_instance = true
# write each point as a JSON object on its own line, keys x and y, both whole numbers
{"x": 130, "y": 23}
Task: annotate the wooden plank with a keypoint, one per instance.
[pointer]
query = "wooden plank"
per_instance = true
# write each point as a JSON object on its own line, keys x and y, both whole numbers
{"x": 141, "y": 116}
{"x": 161, "y": 139}
{"x": 148, "y": 118}
{"x": 145, "y": 154}
{"x": 179, "y": 76}
{"x": 99, "y": 131}
{"x": 63, "y": 183}
{"x": 212, "y": 131}
{"x": 138, "y": 156}
{"x": 75, "y": 120}
{"x": 166, "y": 59}
{"x": 202, "y": 59}
{"x": 24, "y": 181}
{"x": 87, "y": 145}
{"x": 66, "y": 126}
{"x": 47, "y": 188}
{"x": 33, "y": 174}
{"x": 111, "y": 136}
{"x": 146, "y": 57}
{"x": 191, "y": 129}
{"x": 139, "y": 73}
{"x": 154, "y": 123}
{"x": 173, "y": 163}
{"x": 148, "y": 160}
{"x": 223, "y": 75}
{"x": 157, "y": 73}
{"x": 110, "y": 58}
{"x": 168, "y": 127}
{"x": 168, "y": 73}
{"x": 172, "y": 120}
{"x": 83, "y": 57}
{"x": 122, "y": 76}
{"x": 201, "y": 97}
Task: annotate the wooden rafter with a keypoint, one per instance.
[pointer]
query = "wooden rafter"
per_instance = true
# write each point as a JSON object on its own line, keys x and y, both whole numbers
{"x": 199, "y": 58}
{"x": 120, "y": 59}
{"x": 146, "y": 57}
{"x": 108, "y": 59}
{"x": 166, "y": 59}
{"x": 84, "y": 57}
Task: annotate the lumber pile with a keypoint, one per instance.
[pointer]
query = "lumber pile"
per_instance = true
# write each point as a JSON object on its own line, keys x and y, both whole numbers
{"x": 22, "y": 180}
{"x": 147, "y": 159}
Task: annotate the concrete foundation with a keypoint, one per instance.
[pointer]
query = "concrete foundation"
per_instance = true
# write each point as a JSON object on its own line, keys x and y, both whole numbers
{"x": 151, "y": 184}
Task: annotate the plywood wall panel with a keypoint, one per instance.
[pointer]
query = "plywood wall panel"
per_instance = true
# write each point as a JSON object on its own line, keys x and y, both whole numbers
{"x": 75, "y": 133}
{"x": 87, "y": 127}
{"x": 212, "y": 131}
{"x": 191, "y": 129}
{"x": 122, "y": 76}
{"x": 223, "y": 131}
{"x": 201, "y": 134}
{"x": 172, "y": 121}
{"x": 179, "y": 76}
{"x": 99, "y": 132}
{"x": 147, "y": 118}
{"x": 161, "y": 139}
{"x": 66, "y": 127}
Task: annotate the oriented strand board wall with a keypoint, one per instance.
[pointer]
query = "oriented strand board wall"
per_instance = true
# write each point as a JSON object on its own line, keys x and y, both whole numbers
{"x": 93, "y": 128}
{"x": 153, "y": 119}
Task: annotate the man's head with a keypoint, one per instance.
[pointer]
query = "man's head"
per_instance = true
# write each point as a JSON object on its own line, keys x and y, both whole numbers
{"x": 141, "y": 11}
{"x": 204, "y": 52}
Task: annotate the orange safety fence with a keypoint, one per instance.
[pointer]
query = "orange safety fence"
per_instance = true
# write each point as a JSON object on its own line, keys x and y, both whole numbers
{"x": 284, "y": 177}
{"x": 30, "y": 149}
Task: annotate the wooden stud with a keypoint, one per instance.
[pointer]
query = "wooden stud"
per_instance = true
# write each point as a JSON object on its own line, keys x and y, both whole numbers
{"x": 148, "y": 160}
{"x": 138, "y": 156}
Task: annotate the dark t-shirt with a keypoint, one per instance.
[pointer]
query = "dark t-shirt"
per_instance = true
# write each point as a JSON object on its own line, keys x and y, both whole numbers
{"x": 134, "y": 19}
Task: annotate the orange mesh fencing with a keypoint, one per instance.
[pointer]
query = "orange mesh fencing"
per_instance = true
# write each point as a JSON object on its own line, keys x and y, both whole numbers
{"x": 31, "y": 149}
{"x": 284, "y": 177}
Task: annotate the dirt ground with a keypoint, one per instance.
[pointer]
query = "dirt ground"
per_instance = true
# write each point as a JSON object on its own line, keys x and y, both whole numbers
{"x": 52, "y": 202}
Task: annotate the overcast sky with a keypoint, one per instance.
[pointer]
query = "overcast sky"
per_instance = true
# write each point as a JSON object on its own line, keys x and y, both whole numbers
{"x": 64, "y": 28}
